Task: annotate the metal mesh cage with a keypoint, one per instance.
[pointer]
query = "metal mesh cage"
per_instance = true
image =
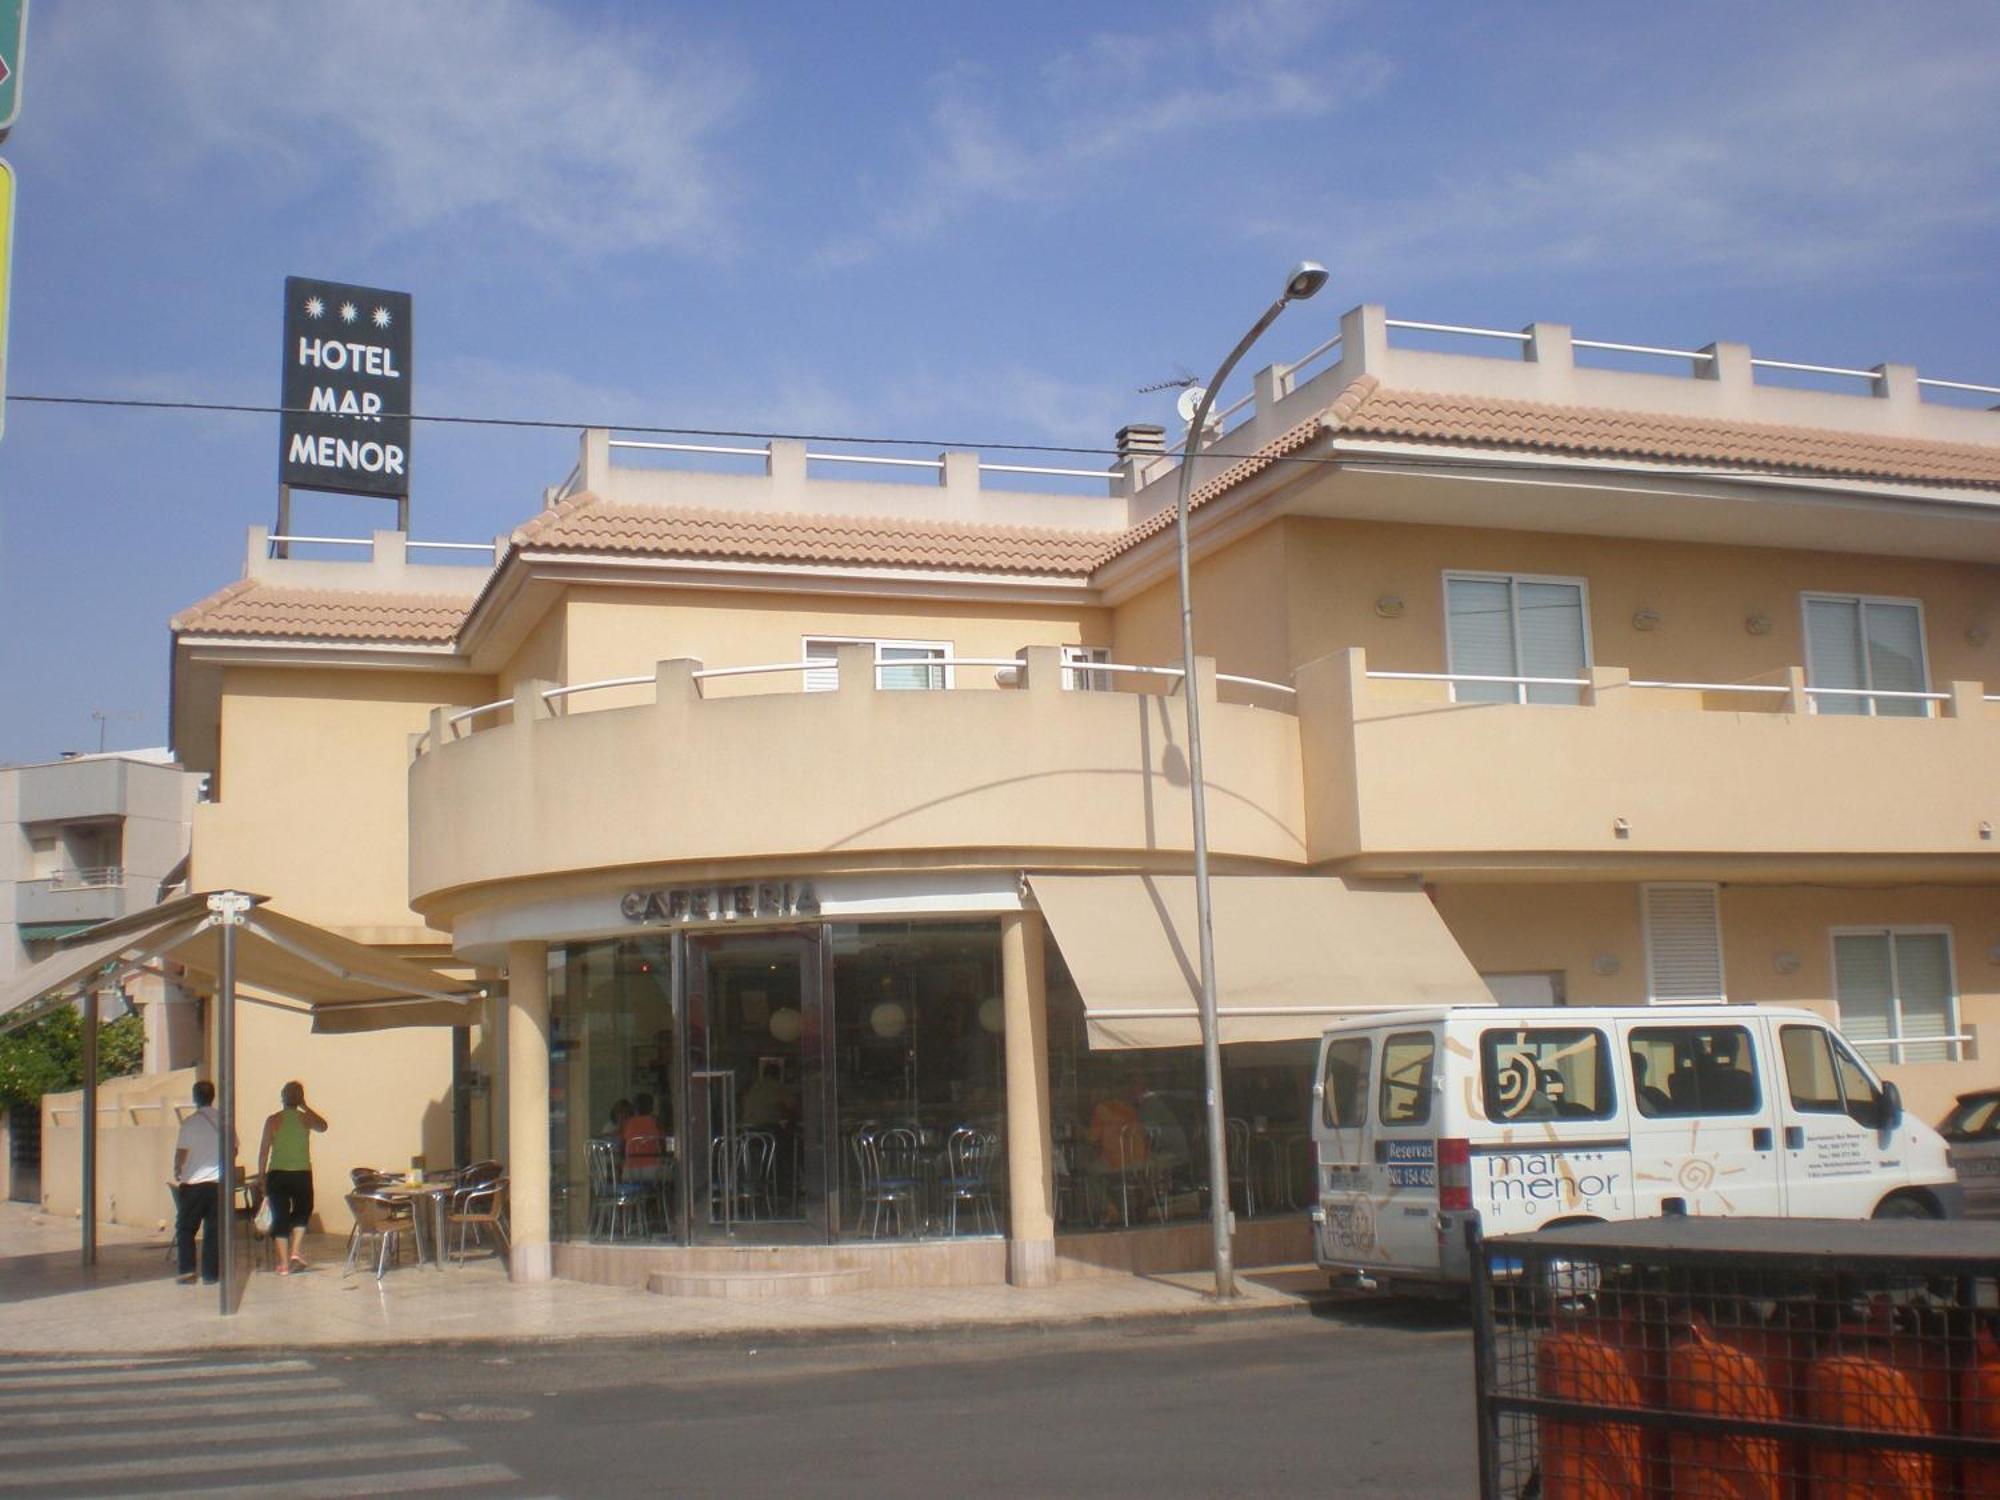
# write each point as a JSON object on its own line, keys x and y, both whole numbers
{"x": 1688, "y": 1359}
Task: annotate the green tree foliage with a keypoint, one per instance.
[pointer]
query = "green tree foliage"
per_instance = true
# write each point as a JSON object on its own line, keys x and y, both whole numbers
{"x": 47, "y": 1057}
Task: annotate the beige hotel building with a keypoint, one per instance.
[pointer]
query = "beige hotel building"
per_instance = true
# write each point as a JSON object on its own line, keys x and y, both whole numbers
{"x": 828, "y": 815}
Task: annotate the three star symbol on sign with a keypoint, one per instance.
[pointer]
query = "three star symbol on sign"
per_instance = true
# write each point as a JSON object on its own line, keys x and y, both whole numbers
{"x": 349, "y": 313}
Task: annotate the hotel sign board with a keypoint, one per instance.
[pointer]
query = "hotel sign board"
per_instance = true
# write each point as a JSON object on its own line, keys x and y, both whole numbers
{"x": 698, "y": 905}
{"x": 13, "y": 47}
{"x": 346, "y": 389}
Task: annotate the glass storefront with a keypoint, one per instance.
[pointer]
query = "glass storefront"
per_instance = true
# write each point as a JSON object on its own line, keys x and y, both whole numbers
{"x": 1131, "y": 1131}
{"x": 846, "y": 1081}
{"x": 842, "y": 1081}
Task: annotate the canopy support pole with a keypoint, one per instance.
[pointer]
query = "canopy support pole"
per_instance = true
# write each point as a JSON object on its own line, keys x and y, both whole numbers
{"x": 90, "y": 1012}
{"x": 229, "y": 907}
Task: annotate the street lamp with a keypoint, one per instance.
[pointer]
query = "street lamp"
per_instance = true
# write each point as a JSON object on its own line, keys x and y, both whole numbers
{"x": 1306, "y": 278}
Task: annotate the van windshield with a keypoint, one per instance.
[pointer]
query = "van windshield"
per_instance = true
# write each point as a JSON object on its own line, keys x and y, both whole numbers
{"x": 1545, "y": 1073}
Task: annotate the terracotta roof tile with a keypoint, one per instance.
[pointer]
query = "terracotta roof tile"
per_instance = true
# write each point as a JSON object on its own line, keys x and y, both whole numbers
{"x": 254, "y": 609}
{"x": 1498, "y": 422}
{"x": 1280, "y": 447}
{"x": 585, "y": 523}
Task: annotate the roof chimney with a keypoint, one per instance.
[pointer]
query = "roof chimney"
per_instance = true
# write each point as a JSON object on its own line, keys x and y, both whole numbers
{"x": 1139, "y": 438}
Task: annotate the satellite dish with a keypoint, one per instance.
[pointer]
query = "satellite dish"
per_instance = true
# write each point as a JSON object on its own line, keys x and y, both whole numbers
{"x": 1189, "y": 402}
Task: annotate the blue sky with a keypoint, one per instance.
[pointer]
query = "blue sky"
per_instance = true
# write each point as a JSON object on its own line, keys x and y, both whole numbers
{"x": 979, "y": 223}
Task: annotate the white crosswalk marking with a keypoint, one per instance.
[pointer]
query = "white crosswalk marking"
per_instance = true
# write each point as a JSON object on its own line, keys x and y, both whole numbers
{"x": 219, "y": 1427}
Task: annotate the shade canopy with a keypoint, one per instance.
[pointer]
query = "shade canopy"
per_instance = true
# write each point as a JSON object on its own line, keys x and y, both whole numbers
{"x": 1293, "y": 954}
{"x": 345, "y": 985}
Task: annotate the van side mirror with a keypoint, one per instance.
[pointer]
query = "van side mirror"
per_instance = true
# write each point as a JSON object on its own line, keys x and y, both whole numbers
{"x": 1892, "y": 1105}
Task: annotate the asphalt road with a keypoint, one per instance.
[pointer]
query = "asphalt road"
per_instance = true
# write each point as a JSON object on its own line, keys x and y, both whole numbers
{"x": 1351, "y": 1401}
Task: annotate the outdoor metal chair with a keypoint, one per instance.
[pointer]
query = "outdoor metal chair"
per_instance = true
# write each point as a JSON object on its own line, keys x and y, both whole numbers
{"x": 382, "y": 1220}
{"x": 483, "y": 1207}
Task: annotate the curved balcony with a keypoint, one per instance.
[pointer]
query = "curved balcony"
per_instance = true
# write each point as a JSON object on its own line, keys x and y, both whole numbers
{"x": 859, "y": 775}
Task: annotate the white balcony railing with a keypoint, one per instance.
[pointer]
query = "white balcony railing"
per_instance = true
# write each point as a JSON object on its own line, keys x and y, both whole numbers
{"x": 90, "y": 878}
{"x": 1100, "y": 675}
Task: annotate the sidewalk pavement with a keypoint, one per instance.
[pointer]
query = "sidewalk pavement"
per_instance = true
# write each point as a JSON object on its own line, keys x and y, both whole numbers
{"x": 130, "y": 1303}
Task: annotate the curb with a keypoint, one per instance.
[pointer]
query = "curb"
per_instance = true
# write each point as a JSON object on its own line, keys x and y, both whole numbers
{"x": 938, "y": 1330}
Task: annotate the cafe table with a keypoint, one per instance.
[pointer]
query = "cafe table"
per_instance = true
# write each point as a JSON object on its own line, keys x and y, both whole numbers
{"x": 433, "y": 1192}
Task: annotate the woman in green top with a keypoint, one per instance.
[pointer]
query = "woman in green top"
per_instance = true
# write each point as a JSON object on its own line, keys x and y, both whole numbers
{"x": 284, "y": 1161}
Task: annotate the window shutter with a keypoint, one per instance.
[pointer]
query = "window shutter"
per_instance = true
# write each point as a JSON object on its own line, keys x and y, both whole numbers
{"x": 1683, "y": 944}
{"x": 1895, "y": 634}
{"x": 824, "y": 679}
{"x": 1834, "y": 653}
{"x": 1863, "y": 986}
{"x": 1551, "y": 617}
{"x": 1923, "y": 984}
{"x": 1480, "y": 618}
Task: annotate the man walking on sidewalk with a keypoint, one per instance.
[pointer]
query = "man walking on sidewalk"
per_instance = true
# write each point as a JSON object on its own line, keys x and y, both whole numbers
{"x": 198, "y": 1185}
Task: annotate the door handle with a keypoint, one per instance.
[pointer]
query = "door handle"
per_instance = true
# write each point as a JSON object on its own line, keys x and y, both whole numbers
{"x": 1381, "y": 1152}
{"x": 1795, "y": 1138}
{"x": 1760, "y": 1138}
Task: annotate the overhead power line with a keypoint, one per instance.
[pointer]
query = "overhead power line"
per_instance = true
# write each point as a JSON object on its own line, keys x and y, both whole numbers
{"x": 1507, "y": 460}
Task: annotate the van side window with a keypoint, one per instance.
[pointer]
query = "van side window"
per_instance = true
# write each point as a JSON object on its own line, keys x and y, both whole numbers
{"x": 1694, "y": 1070}
{"x": 1809, "y": 1070}
{"x": 1858, "y": 1091}
{"x": 1553, "y": 1073}
{"x": 1344, "y": 1105}
{"x": 1409, "y": 1061}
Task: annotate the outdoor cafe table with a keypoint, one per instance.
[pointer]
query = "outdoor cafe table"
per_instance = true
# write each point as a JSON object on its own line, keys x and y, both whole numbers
{"x": 438, "y": 1190}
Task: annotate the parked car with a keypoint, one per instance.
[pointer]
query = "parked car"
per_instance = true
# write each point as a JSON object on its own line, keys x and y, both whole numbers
{"x": 1525, "y": 1117}
{"x": 1972, "y": 1133}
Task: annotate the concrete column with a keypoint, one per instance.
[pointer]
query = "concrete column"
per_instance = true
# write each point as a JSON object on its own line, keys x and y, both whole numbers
{"x": 1031, "y": 1189}
{"x": 1897, "y": 384}
{"x": 1041, "y": 671}
{"x": 1364, "y": 339}
{"x": 1797, "y": 700}
{"x": 594, "y": 462}
{"x": 528, "y": 1109}
{"x": 1968, "y": 700}
{"x": 1729, "y": 365}
{"x": 1610, "y": 687}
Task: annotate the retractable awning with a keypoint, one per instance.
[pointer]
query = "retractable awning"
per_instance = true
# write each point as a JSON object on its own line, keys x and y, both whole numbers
{"x": 1292, "y": 954}
{"x": 346, "y": 986}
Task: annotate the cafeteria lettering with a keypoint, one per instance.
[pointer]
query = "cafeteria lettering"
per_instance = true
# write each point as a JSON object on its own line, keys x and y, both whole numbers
{"x": 720, "y": 903}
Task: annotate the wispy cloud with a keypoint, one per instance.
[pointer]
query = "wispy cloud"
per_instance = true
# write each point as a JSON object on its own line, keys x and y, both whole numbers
{"x": 992, "y": 139}
{"x": 509, "y": 115}
{"x": 1855, "y": 150}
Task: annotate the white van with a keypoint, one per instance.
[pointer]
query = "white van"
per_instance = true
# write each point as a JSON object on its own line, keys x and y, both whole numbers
{"x": 1527, "y": 1117}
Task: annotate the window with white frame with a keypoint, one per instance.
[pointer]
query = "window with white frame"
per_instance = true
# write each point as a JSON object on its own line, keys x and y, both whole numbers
{"x": 1076, "y": 659}
{"x": 1874, "y": 645}
{"x": 1897, "y": 997}
{"x": 1683, "y": 928}
{"x": 1512, "y": 625}
{"x": 899, "y": 665}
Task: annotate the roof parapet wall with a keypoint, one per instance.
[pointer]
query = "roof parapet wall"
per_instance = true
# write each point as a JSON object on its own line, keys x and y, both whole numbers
{"x": 1539, "y": 363}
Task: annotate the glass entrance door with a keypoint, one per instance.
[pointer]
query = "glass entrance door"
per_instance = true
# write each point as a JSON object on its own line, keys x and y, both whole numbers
{"x": 756, "y": 1092}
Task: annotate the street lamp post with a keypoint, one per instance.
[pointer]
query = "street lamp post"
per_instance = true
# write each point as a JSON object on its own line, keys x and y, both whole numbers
{"x": 1306, "y": 278}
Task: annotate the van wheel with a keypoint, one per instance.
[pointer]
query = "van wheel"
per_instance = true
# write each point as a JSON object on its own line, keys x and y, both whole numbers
{"x": 1907, "y": 1206}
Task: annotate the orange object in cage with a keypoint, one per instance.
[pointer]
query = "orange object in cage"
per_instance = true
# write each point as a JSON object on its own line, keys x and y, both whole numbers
{"x": 1865, "y": 1393}
{"x": 1710, "y": 1378}
{"x": 1588, "y": 1460}
{"x": 1979, "y": 1413}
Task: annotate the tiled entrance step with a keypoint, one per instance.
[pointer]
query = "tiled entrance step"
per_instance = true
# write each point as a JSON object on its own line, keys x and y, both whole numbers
{"x": 757, "y": 1284}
